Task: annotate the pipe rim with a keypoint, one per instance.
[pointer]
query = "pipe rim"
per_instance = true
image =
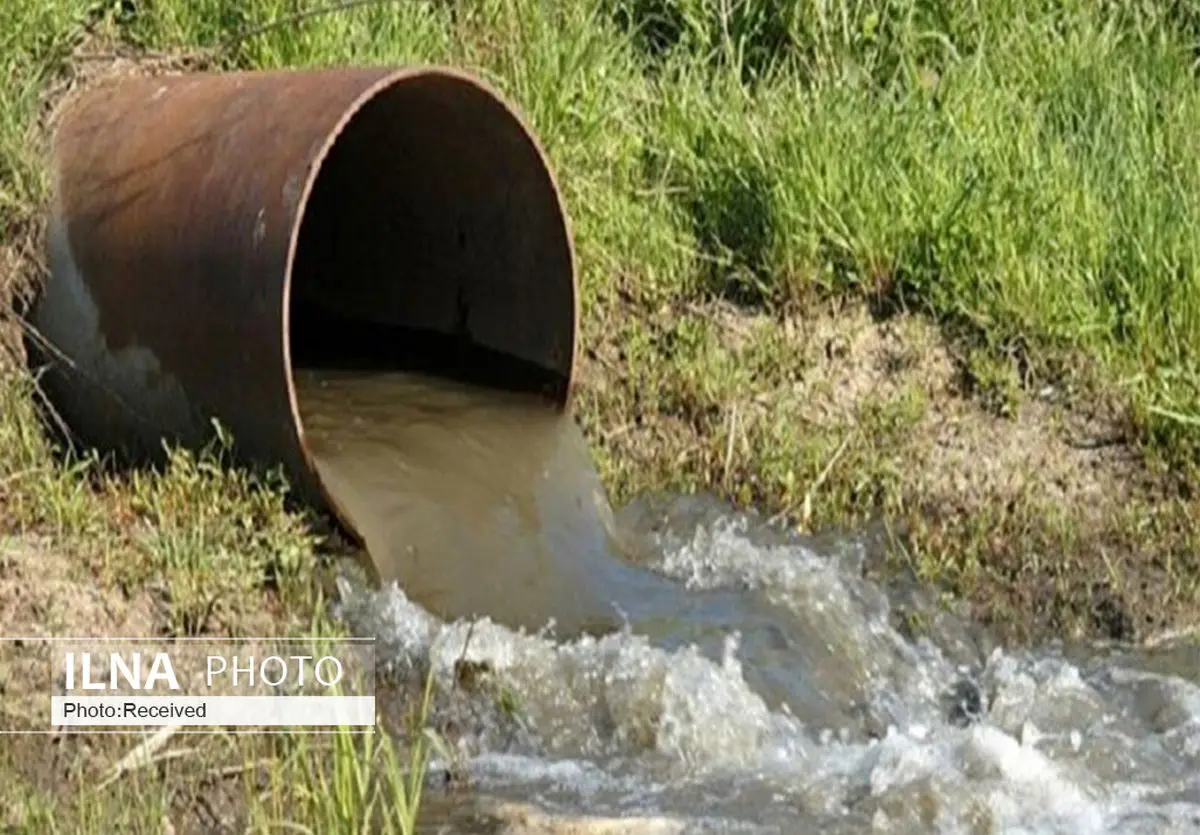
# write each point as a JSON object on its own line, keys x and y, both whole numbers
{"x": 375, "y": 89}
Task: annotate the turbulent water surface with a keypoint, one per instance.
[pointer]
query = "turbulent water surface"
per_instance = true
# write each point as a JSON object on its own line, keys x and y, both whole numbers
{"x": 713, "y": 669}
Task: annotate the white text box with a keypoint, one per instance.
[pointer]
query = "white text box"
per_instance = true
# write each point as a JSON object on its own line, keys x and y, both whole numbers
{"x": 218, "y": 711}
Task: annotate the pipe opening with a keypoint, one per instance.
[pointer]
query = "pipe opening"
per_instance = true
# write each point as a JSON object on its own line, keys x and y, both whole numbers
{"x": 433, "y": 240}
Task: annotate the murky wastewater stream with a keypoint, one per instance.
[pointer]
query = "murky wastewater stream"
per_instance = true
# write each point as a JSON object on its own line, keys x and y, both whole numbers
{"x": 707, "y": 667}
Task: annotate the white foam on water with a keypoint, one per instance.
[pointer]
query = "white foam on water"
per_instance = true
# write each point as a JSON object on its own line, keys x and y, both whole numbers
{"x": 618, "y": 723}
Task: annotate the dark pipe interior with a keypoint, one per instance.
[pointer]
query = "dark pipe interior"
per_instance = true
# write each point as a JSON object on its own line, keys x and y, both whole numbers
{"x": 433, "y": 241}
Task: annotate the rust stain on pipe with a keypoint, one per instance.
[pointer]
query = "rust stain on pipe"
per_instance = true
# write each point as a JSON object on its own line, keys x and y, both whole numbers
{"x": 208, "y": 229}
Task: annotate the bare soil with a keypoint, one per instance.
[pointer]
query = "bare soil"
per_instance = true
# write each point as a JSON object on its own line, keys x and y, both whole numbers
{"x": 967, "y": 457}
{"x": 1025, "y": 498}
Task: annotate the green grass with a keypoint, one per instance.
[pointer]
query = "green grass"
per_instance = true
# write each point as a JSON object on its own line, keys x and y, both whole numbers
{"x": 1023, "y": 173}
{"x": 1020, "y": 176}
{"x": 361, "y": 783}
{"x": 333, "y": 783}
{"x": 217, "y": 552}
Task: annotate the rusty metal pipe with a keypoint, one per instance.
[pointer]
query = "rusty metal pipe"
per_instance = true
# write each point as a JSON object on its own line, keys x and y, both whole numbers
{"x": 207, "y": 231}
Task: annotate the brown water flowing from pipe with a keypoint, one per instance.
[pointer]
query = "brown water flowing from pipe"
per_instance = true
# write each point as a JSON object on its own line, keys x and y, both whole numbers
{"x": 474, "y": 501}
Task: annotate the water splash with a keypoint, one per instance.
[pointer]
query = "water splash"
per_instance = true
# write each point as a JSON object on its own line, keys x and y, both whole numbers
{"x": 745, "y": 679}
{"x": 626, "y": 724}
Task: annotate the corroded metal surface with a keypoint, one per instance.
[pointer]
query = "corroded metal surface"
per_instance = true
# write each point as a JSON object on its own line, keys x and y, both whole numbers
{"x": 190, "y": 213}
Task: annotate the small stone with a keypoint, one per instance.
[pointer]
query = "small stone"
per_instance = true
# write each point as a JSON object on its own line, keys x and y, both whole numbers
{"x": 963, "y": 703}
